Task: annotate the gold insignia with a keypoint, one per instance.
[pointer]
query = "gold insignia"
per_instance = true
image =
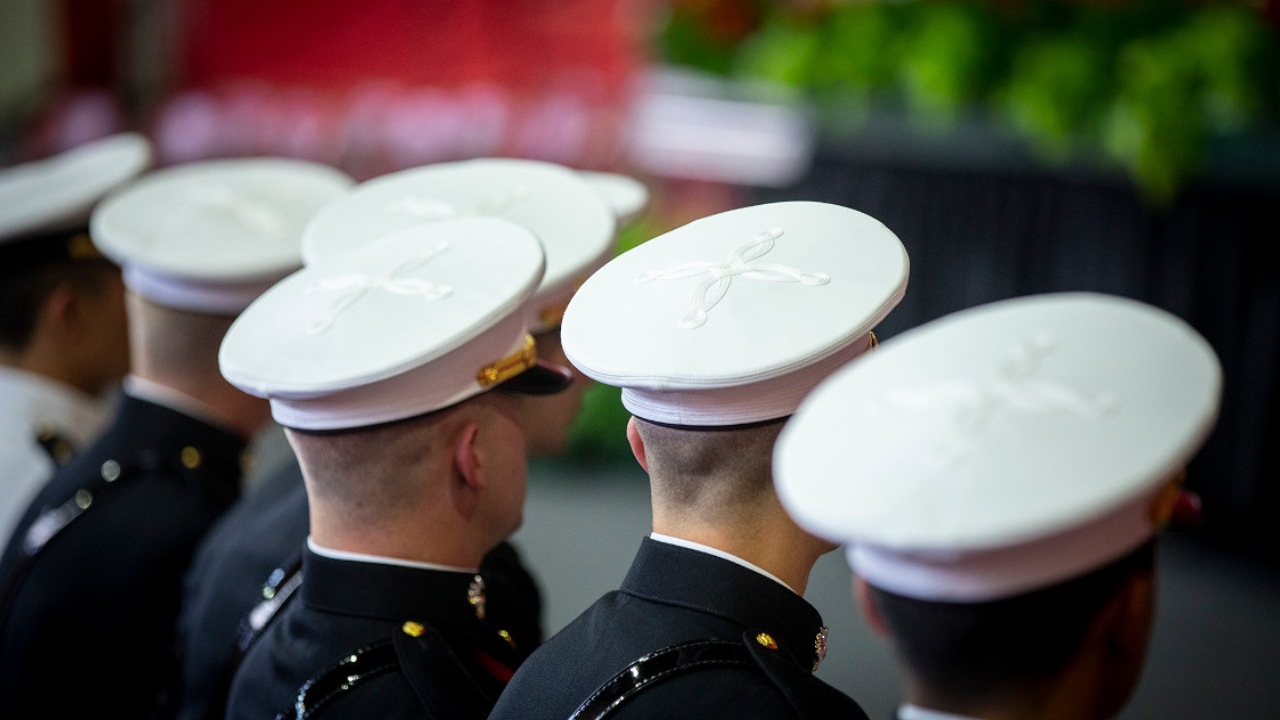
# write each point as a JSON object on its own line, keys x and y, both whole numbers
{"x": 191, "y": 458}
{"x": 81, "y": 247}
{"x": 766, "y": 640}
{"x": 413, "y": 629}
{"x": 475, "y": 596}
{"x": 552, "y": 314}
{"x": 511, "y": 365}
{"x": 1166, "y": 500}
{"x": 820, "y": 647}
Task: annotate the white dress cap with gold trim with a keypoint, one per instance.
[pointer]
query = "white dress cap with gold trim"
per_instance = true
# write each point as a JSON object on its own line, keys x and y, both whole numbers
{"x": 1004, "y": 448}
{"x": 59, "y": 192}
{"x": 734, "y": 318}
{"x": 422, "y": 319}
{"x": 211, "y": 236}
{"x": 561, "y": 208}
{"x": 627, "y": 196}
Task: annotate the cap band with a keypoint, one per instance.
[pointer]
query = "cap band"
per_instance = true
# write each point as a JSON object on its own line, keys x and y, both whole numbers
{"x": 964, "y": 576}
{"x": 740, "y": 404}
{"x": 438, "y": 384}
{"x": 194, "y": 295}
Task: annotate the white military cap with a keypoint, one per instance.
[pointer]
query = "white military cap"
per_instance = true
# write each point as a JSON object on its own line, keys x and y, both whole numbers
{"x": 211, "y": 236}
{"x": 418, "y": 321}
{"x": 734, "y": 318}
{"x": 58, "y": 193}
{"x": 626, "y": 196}
{"x": 1004, "y": 448}
{"x": 561, "y": 208}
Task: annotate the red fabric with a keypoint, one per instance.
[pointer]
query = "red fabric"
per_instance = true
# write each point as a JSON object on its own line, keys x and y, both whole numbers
{"x": 442, "y": 43}
{"x": 495, "y": 668}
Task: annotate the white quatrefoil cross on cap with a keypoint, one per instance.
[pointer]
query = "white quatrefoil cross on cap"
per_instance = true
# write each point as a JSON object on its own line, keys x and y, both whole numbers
{"x": 440, "y": 209}
{"x": 719, "y": 277}
{"x": 969, "y": 407}
{"x": 254, "y": 214}
{"x": 355, "y": 286}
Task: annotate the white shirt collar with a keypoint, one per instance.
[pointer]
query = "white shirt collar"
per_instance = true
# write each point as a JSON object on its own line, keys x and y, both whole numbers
{"x": 361, "y": 557}
{"x": 907, "y": 711}
{"x": 36, "y": 400}
{"x": 691, "y": 545}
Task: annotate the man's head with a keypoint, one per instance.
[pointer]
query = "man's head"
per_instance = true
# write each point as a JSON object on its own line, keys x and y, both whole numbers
{"x": 716, "y": 330}
{"x": 394, "y": 366}
{"x": 466, "y": 464}
{"x": 197, "y": 244}
{"x": 997, "y": 477}
{"x": 64, "y": 319}
{"x": 970, "y": 657}
{"x": 565, "y": 209}
{"x": 61, "y": 302}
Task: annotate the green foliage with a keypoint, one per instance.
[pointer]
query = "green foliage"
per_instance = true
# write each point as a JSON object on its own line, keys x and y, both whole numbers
{"x": 1147, "y": 83}
{"x": 599, "y": 431}
{"x": 1055, "y": 91}
{"x": 948, "y": 58}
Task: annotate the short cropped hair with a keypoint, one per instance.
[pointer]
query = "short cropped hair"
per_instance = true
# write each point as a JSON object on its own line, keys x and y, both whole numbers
{"x": 26, "y": 286}
{"x": 712, "y": 471}
{"x": 983, "y": 650}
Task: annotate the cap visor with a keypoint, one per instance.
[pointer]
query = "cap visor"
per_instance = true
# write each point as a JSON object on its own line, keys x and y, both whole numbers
{"x": 541, "y": 379}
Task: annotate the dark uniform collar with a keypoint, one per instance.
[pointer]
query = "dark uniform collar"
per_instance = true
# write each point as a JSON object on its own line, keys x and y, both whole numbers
{"x": 397, "y": 593}
{"x": 687, "y": 578}
{"x": 150, "y": 434}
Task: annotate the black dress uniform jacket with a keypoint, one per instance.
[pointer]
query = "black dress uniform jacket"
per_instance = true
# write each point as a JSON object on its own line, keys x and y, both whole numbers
{"x": 90, "y": 587}
{"x": 374, "y": 640}
{"x": 245, "y": 561}
{"x": 670, "y": 597}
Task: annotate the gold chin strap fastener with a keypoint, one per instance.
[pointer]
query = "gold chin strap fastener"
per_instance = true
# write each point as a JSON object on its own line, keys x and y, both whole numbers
{"x": 511, "y": 365}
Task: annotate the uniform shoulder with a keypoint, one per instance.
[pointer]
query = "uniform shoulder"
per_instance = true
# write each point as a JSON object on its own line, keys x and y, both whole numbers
{"x": 435, "y": 683}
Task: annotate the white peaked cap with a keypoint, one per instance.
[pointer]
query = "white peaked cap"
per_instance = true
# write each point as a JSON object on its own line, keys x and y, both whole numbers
{"x": 566, "y": 213}
{"x": 418, "y": 321}
{"x": 627, "y": 196}
{"x": 59, "y": 192}
{"x": 1004, "y": 448}
{"x": 734, "y": 318}
{"x": 211, "y": 236}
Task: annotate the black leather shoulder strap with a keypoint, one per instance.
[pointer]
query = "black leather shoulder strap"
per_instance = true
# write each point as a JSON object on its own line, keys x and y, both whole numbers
{"x": 276, "y": 592}
{"x": 438, "y": 678}
{"x": 658, "y": 666}
{"x": 809, "y": 696}
{"x": 343, "y": 676}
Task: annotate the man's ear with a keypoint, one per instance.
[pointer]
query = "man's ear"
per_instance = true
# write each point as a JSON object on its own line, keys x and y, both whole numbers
{"x": 637, "y": 444}
{"x": 870, "y": 612}
{"x": 62, "y": 308}
{"x": 465, "y": 460}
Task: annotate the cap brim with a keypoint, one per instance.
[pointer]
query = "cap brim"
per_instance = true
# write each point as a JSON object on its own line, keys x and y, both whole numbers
{"x": 541, "y": 379}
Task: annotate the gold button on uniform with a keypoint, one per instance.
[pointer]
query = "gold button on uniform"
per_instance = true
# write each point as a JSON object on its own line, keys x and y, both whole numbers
{"x": 766, "y": 640}
{"x": 413, "y": 629}
{"x": 191, "y": 457}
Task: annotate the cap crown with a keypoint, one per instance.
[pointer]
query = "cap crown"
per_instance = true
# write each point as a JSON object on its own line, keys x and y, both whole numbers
{"x": 566, "y": 214}
{"x": 1000, "y": 425}
{"x": 60, "y": 191}
{"x": 420, "y": 298}
{"x": 222, "y": 220}
{"x": 734, "y": 298}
